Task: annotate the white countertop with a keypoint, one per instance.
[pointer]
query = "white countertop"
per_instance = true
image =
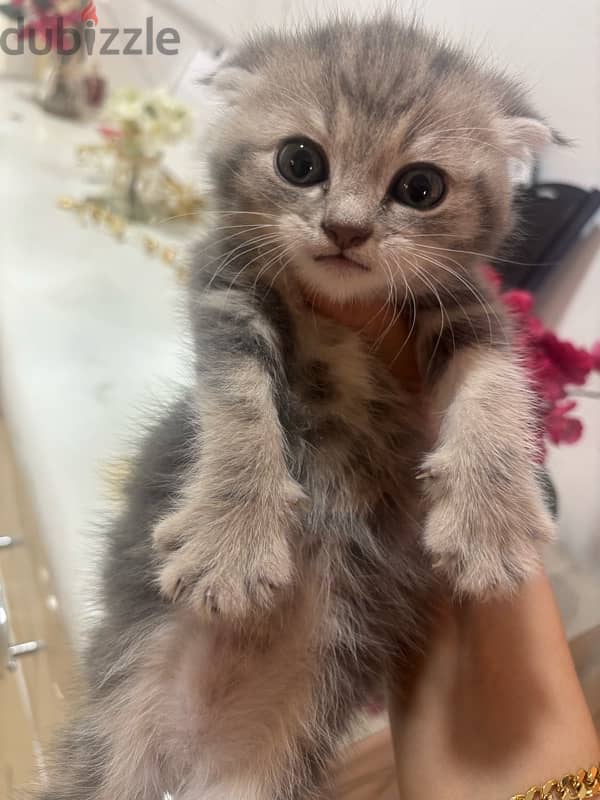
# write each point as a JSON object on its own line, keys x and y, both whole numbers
{"x": 90, "y": 335}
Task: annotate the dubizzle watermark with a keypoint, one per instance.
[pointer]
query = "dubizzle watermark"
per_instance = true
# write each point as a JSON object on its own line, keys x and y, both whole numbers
{"x": 89, "y": 37}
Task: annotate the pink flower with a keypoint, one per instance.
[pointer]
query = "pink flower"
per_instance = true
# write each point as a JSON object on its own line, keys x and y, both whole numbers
{"x": 574, "y": 363}
{"x": 110, "y": 133}
{"x": 535, "y": 327}
{"x": 549, "y": 381}
{"x": 44, "y": 24}
{"x": 494, "y": 278}
{"x": 561, "y": 428}
{"x": 595, "y": 353}
{"x": 552, "y": 363}
{"x": 518, "y": 301}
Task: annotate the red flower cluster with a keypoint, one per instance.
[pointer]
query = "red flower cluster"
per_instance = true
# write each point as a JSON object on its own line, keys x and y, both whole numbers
{"x": 48, "y": 21}
{"x": 554, "y": 365}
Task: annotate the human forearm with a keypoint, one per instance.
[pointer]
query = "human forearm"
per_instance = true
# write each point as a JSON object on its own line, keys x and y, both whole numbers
{"x": 498, "y": 708}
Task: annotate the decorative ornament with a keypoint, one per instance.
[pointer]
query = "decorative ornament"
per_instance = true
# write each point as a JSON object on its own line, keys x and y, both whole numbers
{"x": 140, "y": 124}
{"x": 558, "y": 370}
{"x": 116, "y": 225}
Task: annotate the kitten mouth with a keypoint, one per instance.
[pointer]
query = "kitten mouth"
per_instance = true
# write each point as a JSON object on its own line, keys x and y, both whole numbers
{"x": 341, "y": 262}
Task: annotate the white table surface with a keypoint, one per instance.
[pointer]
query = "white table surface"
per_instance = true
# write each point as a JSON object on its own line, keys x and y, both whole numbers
{"x": 91, "y": 333}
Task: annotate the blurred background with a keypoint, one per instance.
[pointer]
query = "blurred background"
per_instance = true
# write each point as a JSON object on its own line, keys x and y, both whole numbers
{"x": 102, "y": 185}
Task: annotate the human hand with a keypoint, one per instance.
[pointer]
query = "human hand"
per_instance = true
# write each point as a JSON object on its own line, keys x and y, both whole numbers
{"x": 378, "y": 323}
{"x": 497, "y": 706}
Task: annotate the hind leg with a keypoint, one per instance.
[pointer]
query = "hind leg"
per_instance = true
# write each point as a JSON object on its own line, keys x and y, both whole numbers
{"x": 74, "y": 770}
{"x": 278, "y": 750}
{"x": 85, "y": 762}
{"x": 253, "y": 716}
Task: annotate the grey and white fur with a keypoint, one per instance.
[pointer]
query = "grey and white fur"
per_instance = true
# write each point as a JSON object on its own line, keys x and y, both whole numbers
{"x": 288, "y": 521}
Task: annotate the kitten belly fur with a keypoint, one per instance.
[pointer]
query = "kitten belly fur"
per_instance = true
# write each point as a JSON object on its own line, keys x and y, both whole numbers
{"x": 209, "y": 703}
{"x": 204, "y": 706}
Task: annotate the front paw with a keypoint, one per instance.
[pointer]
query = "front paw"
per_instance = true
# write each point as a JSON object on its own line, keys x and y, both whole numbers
{"x": 485, "y": 538}
{"x": 230, "y": 568}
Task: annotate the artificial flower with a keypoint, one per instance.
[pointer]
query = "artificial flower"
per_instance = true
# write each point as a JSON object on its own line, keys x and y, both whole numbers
{"x": 554, "y": 366}
{"x": 562, "y": 428}
{"x": 147, "y": 119}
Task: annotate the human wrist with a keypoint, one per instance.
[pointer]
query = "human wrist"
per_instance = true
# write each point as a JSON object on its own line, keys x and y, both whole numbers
{"x": 498, "y": 708}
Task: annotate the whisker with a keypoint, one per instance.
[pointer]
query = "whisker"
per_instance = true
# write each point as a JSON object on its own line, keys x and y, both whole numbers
{"x": 458, "y": 303}
{"x": 211, "y": 213}
{"x": 479, "y": 298}
{"x": 372, "y": 319}
{"x": 486, "y": 256}
{"x": 211, "y": 244}
{"x": 288, "y": 249}
{"x": 231, "y": 255}
{"x": 278, "y": 273}
{"x": 277, "y": 247}
{"x": 389, "y": 302}
{"x": 443, "y": 316}
{"x": 413, "y": 302}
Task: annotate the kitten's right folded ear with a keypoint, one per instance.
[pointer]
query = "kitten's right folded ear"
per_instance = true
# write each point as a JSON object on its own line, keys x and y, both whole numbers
{"x": 523, "y": 139}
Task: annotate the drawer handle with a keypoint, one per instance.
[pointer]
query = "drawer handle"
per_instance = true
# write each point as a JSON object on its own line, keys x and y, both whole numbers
{"x": 10, "y": 652}
{"x": 9, "y": 541}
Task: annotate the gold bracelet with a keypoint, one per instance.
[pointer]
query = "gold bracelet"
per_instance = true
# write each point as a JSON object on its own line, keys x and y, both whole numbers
{"x": 585, "y": 783}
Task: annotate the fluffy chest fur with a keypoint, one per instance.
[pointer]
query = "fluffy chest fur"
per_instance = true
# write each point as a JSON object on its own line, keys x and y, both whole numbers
{"x": 362, "y": 435}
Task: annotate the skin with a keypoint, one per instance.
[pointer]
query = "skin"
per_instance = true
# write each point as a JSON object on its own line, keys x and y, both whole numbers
{"x": 496, "y": 706}
{"x": 376, "y": 323}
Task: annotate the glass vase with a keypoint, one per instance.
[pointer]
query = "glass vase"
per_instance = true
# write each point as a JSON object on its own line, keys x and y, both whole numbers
{"x": 136, "y": 188}
{"x": 62, "y": 89}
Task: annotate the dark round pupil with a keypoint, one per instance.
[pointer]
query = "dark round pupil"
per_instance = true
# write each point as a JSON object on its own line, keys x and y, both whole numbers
{"x": 419, "y": 188}
{"x": 301, "y": 163}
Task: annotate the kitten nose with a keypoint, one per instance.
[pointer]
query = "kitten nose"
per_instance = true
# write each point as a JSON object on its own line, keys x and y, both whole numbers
{"x": 345, "y": 236}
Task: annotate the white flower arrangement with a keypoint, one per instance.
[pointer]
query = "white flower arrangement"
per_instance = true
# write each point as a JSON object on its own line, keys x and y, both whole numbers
{"x": 64, "y": 7}
{"x": 147, "y": 120}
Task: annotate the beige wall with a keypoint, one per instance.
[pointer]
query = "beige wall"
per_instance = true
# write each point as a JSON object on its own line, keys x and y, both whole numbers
{"x": 554, "y": 45}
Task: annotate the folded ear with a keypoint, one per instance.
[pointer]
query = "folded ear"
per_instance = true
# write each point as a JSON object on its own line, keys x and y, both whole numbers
{"x": 523, "y": 139}
{"x": 229, "y": 81}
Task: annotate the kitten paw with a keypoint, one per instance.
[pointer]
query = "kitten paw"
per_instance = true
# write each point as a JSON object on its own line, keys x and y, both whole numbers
{"x": 484, "y": 540}
{"x": 480, "y": 558}
{"x": 224, "y": 571}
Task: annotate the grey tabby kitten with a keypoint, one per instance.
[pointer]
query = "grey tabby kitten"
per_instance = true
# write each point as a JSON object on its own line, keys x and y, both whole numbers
{"x": 274, "y": 561}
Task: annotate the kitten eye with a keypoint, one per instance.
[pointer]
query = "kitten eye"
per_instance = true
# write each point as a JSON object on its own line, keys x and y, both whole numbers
{"x": 420, "y": 187}
{"x": 302, "y": 162}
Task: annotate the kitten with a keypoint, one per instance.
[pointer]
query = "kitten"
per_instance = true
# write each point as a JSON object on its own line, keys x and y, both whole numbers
{"x": 274, "y": 562}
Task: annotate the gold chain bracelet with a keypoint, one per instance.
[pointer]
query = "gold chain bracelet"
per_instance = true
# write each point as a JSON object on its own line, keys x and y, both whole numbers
{"x": 585, "y": 783}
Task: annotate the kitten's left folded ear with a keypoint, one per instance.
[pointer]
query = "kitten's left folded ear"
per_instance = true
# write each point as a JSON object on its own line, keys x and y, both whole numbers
{"x": 230, "y": 80}
{"x": 524, "y": 139}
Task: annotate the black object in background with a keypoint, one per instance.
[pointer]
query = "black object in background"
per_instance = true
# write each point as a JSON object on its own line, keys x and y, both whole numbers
{"x": 552, "y": 217}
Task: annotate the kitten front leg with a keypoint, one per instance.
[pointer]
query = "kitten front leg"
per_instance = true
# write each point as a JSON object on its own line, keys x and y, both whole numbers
{"x": 487, "y": 516}
{"x": 226, "y": 550}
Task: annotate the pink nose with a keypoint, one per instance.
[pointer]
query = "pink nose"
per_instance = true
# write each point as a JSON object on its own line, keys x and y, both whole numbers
{"x": 345, "y": 236}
